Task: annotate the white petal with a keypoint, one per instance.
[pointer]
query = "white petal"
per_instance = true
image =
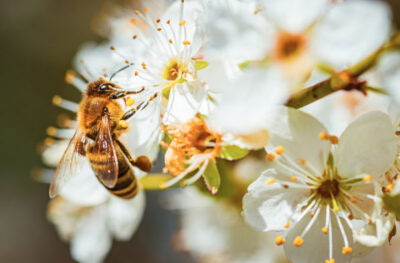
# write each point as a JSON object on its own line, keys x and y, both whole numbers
{"x": 315, "y": 248}
{"x": 124, "y": 216}
{"x": 350, "y": 31}
{"x": 184, "y": 102}
{"x": 84, "y": 189}
{"x": 92, "y": 240}
{"x": 298, "y": 133}
{"x": 53, "y": 154}
{"x": 389, "y": 72}
{"x": 294, "y": 15}
{"x": 248, "y": 102}
{"x": 269, "y": 207}
{"x": 368, "y": 145}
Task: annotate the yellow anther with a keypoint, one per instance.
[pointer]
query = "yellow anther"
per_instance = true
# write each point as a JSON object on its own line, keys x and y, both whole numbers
{"x": 159, "y": 29}
{"x": 168, "y": 22}
{"x": 48, "y": 141}
{"x": 367, "y": 178}
{"x": 280, "y": 150}
{"x": 123, "y": 124}
{"x": 270, "y": 157}
{"x": 389, "y": 188}
{"x": 330, "y": 260}
{"x": 293, "y": 178}
{"x": 144, "y": 66}
{"x": 69, "y": 76}
{"x": 145, "y": 10}
{"x": 133, "y": 21}
{"x": 354, "y": 200}
{"x": 347, "y": 250}
{"x": 279, "y": 241}
{"x": 370, "y": 220}
{"x": 287, "y": 225}
{"x": 298, "y": 241}
{"x": 182, "y": 22}
{"x": 112, "y": 47}
{"x": 136, "y": 73}
{"x": 334, "y": 139}
{"x": 270, "y": 181}
{"x": 303, "y": 161}
{"x": 130, "y": 101}
{"x": 324, "y": 230}
{"x": 323, "y": 136}
{"x": 186, "y": 42}
{"x": 311, "y": 214}
{"x": 170, "y": 41}
{"x": 57, "y": 100}
{"x": 51, "y": 131}
{"x": 137, "y": 12}
{"x": 134, "y": 36}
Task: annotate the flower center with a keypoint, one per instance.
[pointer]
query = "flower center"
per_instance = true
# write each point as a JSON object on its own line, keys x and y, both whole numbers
{"x": 171, "y": 71}
{"x": 329, "y": 188}
{"x": 289, "y": 45}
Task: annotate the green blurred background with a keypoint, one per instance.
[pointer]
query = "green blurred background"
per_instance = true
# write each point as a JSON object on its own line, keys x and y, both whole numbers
{"x": 38, "y": 41}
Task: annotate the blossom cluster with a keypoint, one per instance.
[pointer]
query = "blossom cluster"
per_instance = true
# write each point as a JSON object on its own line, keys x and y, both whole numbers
{"x": 213, "y": 88}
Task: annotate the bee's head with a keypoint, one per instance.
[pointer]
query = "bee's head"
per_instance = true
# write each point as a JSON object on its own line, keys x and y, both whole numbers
{"x": 102, "y": 88}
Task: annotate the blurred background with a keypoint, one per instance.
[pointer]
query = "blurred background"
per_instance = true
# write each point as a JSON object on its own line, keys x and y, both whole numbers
{"x": 38, "y": 41}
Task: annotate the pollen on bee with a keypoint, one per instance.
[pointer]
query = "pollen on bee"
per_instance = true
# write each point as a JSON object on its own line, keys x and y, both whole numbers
{"x": 298, "y": 241}
{"x": 57, "y": 100}
{"x": 123, "y": 124}
{"x": 69, "y": 76}
{"x": 324, "y": 230}
{"x": 270, "y": 181}
{"x": 270, "y": 157}
{"x": 347, "y": 250}
{"x": 186, "y": 42}
{"x": 279, "y": 240}
{"x": 279, "y": 150}
{"x": 130, "y": 102}
{"x": 287, "y": 225}
{"x": 367, "y": 178}
{"x": 182, "y": 22}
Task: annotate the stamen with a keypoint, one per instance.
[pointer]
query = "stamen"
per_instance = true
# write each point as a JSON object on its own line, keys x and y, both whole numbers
{"x": 324, "y": 230}
{"x": 279, "y": 240}
{"x": 65, "y": 104}
{"x": 270, "y": 181}
{"x": 186, "y": 42}
{"x": 347, "y": 250}
{"x": 298, "y": 241}
{"x": 287, "y": 225}
{"x": 270, "y": 157}
{"x": 182, "y": 22}
{"x": 130, "y": 102}
{"x": 324, "y": 136}
{"x": 279, "y": 150}
{"x": 368, "y": 178}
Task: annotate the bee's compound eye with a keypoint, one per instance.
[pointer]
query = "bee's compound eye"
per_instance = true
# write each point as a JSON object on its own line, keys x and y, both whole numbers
{"x": 104, "y": 87}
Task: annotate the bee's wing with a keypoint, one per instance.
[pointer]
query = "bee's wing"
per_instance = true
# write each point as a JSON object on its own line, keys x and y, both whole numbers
{"x": 70, "y": 164}
{"x": 104, "y": 147}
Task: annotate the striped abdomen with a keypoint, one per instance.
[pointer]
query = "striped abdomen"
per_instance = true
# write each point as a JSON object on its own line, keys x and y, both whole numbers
{"x": 127, "y": 186}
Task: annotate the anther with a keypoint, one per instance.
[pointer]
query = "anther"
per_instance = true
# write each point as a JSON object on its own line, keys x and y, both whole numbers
{"x": 159, "y": 29}
{"x": 389, "y": 188}
{"x": 279, "y": 150}
{"x": 57, "y": 100}
{"x": 330, "y": 260}
{"x": 69, "y": 76}
{"x": 367, "y": 178}
{"x": 137, "y": 12}
{"x": 324, "y": 230}
{"x": 334, "y": 139}
{"x": 287, "y": 225}
{"x": 130, "y": 101}
{"x": 279, "y": 241}
{"x": 186, "y": 42}
{"x": 145, "y": 10}
{"x": 298, "y": 241}
{"x": 134, "y": 36}
{"x": 133, "y": 21}
{"x": 270, "y": 181}
{"x": 303, "y": 161}
{"x": 168, "y": 22}
{"x": 51, "y": 131}
{"x": 293, "y": 178}
{"x": 144, "y": 66}
{"x": 323, "y": 136}
{"x": 112, "y": 47}
{"x": 182, "y": 22}
{"x": 170, "y": 41}
{"x": 311, "y": 215}
{"x": 370, "y": 220}
{"x": 347, "y": 250}
{"x": 136, "y": 73}
{"x": 270, "y": 157}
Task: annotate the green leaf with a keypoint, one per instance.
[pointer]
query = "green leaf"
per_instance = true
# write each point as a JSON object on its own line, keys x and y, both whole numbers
{"x": 211, "y": 177}
{"x": 233, "y": 152}
{"x": 200, "y": 64}
{"x": 392, "y": 202}
{"x": 154, "y": 181}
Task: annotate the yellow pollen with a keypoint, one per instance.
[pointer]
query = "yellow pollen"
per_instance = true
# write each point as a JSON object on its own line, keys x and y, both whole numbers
{"x": 130, "y": 101}
{"x": 57, "y": 100}
{"x": 186, "y": 42}
{"x": 51, "y": 131}
{"x": 170, "y": 41}
{"x": 287, "y": 225}
{"x": 311, "y": 214}
{"x": 134, "y": 36}
{"x": 137, "y": 12}
{"x": 330, "y": 260}
{"x": 389, "y": 188}
{"x": 324, "y": 230}
{"x": 298, "y": 241}
{"x": 133, "y": 21}
{"x": 347, "y": 250}
{"x": 69, "y": 76}
{"x": 303, "y": 161}
{"x": 136, "y": 73}
{"x": 144, "y": 66}
{"x": 367, "y": 178}
{"x": 293, "y": 178}
{"x": 323, "y": 136}
{"x": 279, "y": 240}
{"x": 280, "y": 150}
{"x": 334, "y": 139}
{"x": 123, "y": 124}
{"x": 270, "y": 157}
{"x": 182, "y": 22}
{"x": 270, "y": 181}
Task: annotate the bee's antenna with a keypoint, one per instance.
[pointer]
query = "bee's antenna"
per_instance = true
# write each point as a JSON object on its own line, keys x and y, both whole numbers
{"x": 119, "y": 70}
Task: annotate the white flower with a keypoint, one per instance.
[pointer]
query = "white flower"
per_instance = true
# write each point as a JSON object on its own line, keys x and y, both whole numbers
{"x": 214, "y": 231}
{"x": 321, "y": 191}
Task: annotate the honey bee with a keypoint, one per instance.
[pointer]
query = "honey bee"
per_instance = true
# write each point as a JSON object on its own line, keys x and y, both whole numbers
{"x": 101, "y": 122}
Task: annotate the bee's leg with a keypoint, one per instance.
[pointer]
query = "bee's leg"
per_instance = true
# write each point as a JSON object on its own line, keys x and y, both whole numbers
{"x": 121, "y": 94}
{"x": 141, "y": 106}
{"x": 142, "y": 162}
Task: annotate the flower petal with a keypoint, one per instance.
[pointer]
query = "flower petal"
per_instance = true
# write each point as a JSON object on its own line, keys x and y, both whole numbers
{"x": 294, "y": 15}
{"x": 269, "y": 207}
{"x": 298, "y": 133}
{"x": 368, "y": 145}
{"x": 124, "y": 216}
{"x": 350, "y": 31}
{"x": 315, "y": 248}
